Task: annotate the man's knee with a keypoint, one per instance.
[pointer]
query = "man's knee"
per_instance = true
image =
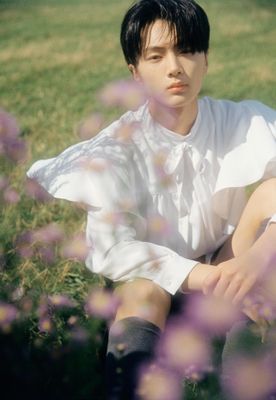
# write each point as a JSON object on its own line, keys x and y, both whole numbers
{"x": 259, "y": 209}
{"x": 145, "y": 299}
{"x": 264, "y": 198}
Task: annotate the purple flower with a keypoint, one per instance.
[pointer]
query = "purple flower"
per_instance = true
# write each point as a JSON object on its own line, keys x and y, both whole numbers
{"x": 158, "y": 225}
{"x": 45, "y": 324}
{"x": 90, "y": 126}
{"x": 98, "y": 165}
{"x": 8, "y": 314}
{"x": 72, "y": 320}
{"x": 24, "y": 243}
{"x": 125, "y": 131}
{"x": 158, "y": 383}
{"x": 8, "y": 125}
{"x": 212, "y": 314}
{"x": 11, "y": 196}
{"x": 43, "y": 308}
{"x": 123, "y": 93}
{"x": 46, "y": 254}
{"x": 76, "y": 248}
{"x": 50, "y": 233}
{"x": 25, "y": 251}
{"x": 165, "y": 179}
{"x": 61, "y": 301}
{"x": 249, "y": 378}
{"x": 102, "y": 303}
{"x": 11, "y": 146}
{"x": 36, "y": 191}
{"x": 185, "y": 349}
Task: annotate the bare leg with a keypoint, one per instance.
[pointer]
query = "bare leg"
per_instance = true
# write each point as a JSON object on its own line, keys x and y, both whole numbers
{"x": 132, "y": 337}
{"x": 144, "y": 299}
{"x": 260, "y": 207}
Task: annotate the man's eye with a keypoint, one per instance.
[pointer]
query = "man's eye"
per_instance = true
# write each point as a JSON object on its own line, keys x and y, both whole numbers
{"x": 155, "y": 57}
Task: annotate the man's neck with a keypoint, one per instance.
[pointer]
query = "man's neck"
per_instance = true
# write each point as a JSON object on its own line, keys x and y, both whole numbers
{"x": 178, "y": 120}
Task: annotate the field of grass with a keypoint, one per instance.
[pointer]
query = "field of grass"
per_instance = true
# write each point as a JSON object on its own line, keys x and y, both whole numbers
{"x": 55, "y": 56}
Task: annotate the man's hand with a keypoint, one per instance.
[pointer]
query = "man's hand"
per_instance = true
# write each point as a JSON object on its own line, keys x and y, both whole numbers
{"x": 235, "y": 278}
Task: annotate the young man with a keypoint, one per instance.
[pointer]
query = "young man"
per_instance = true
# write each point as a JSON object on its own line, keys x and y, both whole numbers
{"x": 162, "y": 202}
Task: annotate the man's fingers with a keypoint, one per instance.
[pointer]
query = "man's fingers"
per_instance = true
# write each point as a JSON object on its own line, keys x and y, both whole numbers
{"x": 211, "y": 281}
{"x": 232, "y": 290}
{"x": 221, "y": 286}
{"x": 244, "y": 289}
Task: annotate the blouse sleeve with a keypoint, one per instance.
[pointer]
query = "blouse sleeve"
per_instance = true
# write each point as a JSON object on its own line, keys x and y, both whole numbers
{"x": 119, "y": 252}
{"x": 250, "y": 154}
{"x": 116, "y": 231}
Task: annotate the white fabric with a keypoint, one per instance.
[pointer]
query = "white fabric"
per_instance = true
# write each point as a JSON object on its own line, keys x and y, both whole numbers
{"x": 272, "y": 220}
{"x": 158, "y": 200}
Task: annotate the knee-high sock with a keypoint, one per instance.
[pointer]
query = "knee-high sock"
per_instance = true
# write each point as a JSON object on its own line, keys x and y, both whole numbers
{"x": 131, "y": 343}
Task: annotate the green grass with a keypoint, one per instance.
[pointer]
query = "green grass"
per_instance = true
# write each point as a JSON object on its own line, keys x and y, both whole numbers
{"x": 55, "y": 56}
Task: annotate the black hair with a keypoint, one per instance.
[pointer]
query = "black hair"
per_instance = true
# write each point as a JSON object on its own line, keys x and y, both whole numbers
{"x": 187, "y": 21}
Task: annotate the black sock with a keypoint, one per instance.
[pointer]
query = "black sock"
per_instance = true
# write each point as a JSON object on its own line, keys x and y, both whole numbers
{"x": 131, "y": 343}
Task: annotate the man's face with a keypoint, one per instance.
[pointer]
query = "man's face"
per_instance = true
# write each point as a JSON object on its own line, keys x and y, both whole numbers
{"x": 172, "y": 78}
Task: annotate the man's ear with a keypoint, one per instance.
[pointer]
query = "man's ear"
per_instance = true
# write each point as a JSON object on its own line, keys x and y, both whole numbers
{"x": 134, "y": 72}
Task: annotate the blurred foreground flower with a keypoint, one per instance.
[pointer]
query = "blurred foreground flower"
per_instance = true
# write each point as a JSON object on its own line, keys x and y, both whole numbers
{"x": 8, "y": 314}
{"x": 96, "y": 164}
{"x": 212, "y": 314}
{"x": 11, "y": 146}
{"x": 185, "y": 349}
{"x": 158, "y": 225}
{"x": 267, "y": 307}
{"x": 76, "y": 248}
{"x": 36, "y": 191}
{"x": 7, "y": 193}
{"x": 165, "y": 178}
{"x": 11, "y": 196}
{"x": 102, "y": 303}
{"x": 45, "y": 323}
{"x": 24, "y": 244}
{"x": 90, "y": 126}
{"x": 125, "y": 131}
{"x": 40, "y": 242}
{"x": 123, "y": 93}
{"x": 51, "y": 233}
{"x": 61, "y": 301}
{"x": 249, "y": 378}
{"x": 158, "y": 383}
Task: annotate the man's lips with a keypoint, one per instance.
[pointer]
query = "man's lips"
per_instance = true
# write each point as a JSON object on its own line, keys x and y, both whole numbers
{"x": 177, "y": 85}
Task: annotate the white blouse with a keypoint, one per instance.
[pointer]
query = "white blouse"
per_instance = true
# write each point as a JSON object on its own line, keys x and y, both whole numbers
{"x": 157, "y": 200}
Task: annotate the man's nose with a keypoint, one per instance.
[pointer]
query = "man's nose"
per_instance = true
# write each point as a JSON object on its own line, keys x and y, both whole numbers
{"x": 174, "y": 66}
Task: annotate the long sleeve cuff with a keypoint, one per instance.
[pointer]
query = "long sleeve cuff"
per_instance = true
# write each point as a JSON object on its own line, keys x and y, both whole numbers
{"x": 174, "y": 274}
{"x": 130, "y": 259}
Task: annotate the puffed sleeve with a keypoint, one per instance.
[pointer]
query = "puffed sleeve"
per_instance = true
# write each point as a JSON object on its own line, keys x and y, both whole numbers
{"x": 250, "y": 155}
{"x": 119, "y": 252}
{"x": 117, "y": 233}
